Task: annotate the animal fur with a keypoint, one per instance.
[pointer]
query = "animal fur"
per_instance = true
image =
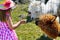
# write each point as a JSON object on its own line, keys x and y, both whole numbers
{"x": 49, "y": 25}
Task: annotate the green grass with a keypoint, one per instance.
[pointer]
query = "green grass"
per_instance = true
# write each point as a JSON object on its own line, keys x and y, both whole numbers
{"x": 28, "y": 31}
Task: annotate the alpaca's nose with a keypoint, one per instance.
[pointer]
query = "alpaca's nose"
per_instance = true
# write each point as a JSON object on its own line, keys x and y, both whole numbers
{"x": 29, "y": 12}
{"x": 37, "y": 21}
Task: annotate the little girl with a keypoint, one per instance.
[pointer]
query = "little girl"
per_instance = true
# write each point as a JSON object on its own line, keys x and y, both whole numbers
{"x": 6, "y": 26}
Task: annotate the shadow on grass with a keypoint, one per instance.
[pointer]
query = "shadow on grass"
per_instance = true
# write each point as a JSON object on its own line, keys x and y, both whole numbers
{"x": 44, "y": 38}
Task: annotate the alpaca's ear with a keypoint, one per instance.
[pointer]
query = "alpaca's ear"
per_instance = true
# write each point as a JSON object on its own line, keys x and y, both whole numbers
{"x": 54, "y": 18}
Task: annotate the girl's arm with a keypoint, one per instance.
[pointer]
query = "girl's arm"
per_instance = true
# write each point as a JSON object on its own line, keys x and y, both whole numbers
{"x": 10, "y": 23}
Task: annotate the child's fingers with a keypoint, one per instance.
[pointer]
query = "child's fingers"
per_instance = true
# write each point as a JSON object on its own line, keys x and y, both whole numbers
{"x": 23, "y": 21}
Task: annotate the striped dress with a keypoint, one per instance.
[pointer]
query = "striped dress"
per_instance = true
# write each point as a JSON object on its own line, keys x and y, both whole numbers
{"x": 6, "y": 33}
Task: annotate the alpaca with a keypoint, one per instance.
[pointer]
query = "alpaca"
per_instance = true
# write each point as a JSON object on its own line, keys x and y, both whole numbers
{"x": 49, "y": 6}
{"x": 49, "y": 25}
{"x": 34, "y": 8}
{"x": 52, "y": 6}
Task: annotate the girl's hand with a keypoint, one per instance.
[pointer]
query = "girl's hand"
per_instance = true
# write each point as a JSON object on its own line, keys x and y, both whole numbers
{"x": 22, "y": 21}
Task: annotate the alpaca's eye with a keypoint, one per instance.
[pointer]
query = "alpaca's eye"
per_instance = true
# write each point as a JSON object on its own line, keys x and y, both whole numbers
{"x": 36, "y": 12}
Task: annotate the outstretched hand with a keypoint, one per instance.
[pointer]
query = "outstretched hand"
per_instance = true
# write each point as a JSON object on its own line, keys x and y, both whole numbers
{"x": 22, "y": 21}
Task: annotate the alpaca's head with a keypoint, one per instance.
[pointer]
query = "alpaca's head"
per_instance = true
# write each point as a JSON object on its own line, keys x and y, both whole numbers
{"x": 48, "y": 24}
{"x": 46, "y": 19}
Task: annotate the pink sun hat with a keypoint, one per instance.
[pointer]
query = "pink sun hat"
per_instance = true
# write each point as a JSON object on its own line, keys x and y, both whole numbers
{"x": 6, "y": 4}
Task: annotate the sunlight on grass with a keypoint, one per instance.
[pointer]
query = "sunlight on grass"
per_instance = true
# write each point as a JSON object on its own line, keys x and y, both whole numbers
{"x": 28, "y": 31}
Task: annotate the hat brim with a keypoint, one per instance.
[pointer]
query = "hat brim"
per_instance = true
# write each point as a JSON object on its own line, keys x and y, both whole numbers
{"x": 2, "y": 7}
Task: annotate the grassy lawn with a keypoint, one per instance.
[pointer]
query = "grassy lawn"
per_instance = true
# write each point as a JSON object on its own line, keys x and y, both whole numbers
{"x": 27, "y": 31}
